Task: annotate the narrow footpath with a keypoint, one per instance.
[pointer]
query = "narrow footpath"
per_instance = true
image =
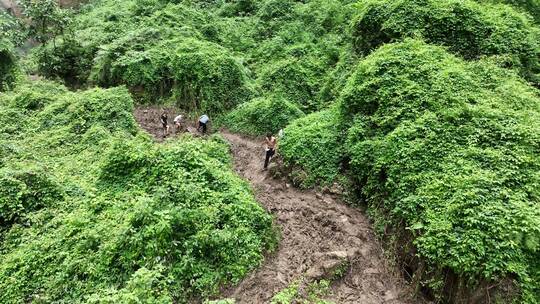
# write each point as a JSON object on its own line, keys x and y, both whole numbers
{"x": 318, "y": 232}
{"x": 320, "y": 236}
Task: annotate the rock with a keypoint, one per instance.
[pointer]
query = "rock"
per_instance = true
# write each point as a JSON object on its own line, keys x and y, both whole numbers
{"x": 335, "y": 189}
{"x": 273, "y": 169}
{"x": 364, "y": 251}
{"x": 318, "y": 196}
{"x": 333, "y": 264}
{"x": 337, "y": 254}
{"x": 371, "y": 271}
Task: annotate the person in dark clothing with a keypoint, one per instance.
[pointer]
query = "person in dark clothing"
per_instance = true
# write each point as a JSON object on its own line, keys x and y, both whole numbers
{"x": 164, "y": 123}
{"x": 270, "y": 143}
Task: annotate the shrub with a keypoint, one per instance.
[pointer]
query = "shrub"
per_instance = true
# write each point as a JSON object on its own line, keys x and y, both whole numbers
{"x": 313, "y": 144}
{"x": 262, "y": 115}
{"x": 469, "y": 29}
{"x": 138, "y": 222}
{"x": 67, "y": 60}
{"x": 7, "y": 65}
{"x": 531, "y": 7}
{"x": 238, "y": 8}
{"x": 24, "y": 191}
{"x": 10, "y": 123}
{"x": 11, "y": 29}
{"x": 110, "y": 108}
{"x": 32, "y": 96}
{"x": 450, "y": 150}
{"x": 294, "y": 79}
{"x": 208, "y": 78}
{"x": 199, "y": 75}
{"x": 271, "y": 10}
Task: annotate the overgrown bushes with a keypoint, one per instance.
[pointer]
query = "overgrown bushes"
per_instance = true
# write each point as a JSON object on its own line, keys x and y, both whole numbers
{"x": 262, "y": 115}
{"x": 114, "y": 217}
{"x": 531, "y": 7}
{"x": 24, "y": 191}
{"x": 66, "y": 60}
{"x": 7, "y": 65}
{"x": 467, "y": 28}
{"x": 197, "y": 75}
{"x": 295, "y": 80}
{"x": 203, "y": 55}
{"x": 312, "y": 144}
{"x": 449, "y": 150}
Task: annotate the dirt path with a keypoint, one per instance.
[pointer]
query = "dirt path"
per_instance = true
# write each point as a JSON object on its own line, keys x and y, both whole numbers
{"x": 318, "y": 232}
{"x": 319, "y": 235}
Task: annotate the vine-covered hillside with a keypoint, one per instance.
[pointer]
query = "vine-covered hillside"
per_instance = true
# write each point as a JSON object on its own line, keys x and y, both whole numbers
{"x": 426, "y": 112}
{"x": 92, "y": 211}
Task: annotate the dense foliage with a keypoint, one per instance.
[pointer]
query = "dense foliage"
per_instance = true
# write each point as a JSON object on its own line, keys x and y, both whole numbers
{"x": 93, "y": 211}
{"x": 261, "y": 115}
{"x": 45, "y": 19}
{"x": 531, "y": 7}
{"x": 11, "y": 29}
{"x": 8, "y": 66}
{"x": 465, "y": 27}
{"x": 203, "y": 55}
{"x": 311, "y": 144}
{"x": 451, "y": 150}
{"x": 428, "y": 105}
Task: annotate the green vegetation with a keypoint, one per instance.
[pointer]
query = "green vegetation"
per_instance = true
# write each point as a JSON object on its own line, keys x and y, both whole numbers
{"x": 45, "y": 19}
{"x": 11, "y": 29}
{"x": 199, "y": 55}
{"x": 431, "y": 107}
{"x": 199, "y": 76}
{"x": 261, "y": 116}
{"x": 531, "y": 7}
{"x": 449, "y": 149}
{"x": 93, "y": 211}
{"x": 8, "y": 66}
{"x": 304, "y": 293}
{"x": 311, "y": 144}
{"x": 465, "y": 27}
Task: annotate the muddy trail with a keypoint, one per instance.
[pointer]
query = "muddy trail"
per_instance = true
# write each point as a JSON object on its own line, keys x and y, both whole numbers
{"x": 148, "y": 119}
{"x": 321, "y": 237}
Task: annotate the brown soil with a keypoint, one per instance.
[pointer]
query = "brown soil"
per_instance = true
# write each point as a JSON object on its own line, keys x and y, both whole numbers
{"x": 149, "y": 119}
{"x": 316, "y": 229}
{"x": 319, "y": 235}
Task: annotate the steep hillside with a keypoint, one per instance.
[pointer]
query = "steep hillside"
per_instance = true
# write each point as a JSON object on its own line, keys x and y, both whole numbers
{"x": 426, "y": 113}
{"x": 92, "y": 211}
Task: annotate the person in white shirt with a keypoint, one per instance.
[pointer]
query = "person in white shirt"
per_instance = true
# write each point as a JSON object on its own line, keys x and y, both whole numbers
{"x": 202, "y": 123}
{"x": 178, "y": 123}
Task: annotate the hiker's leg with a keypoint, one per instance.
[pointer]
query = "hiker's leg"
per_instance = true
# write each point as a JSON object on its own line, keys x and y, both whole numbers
{"x": 267, "y": 159}
{"x": 204, "y": 128}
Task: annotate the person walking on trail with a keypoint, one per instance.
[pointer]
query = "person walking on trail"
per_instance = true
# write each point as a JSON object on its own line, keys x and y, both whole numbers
{"x": 164, "y": 123}
{"x": 178, "y": 120}
{"x": 270, "y": 143}
{"x": 202, "y": 123}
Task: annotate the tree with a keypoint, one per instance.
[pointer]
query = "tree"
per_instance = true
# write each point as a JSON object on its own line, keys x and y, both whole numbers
{"x": 46, "y": 19}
